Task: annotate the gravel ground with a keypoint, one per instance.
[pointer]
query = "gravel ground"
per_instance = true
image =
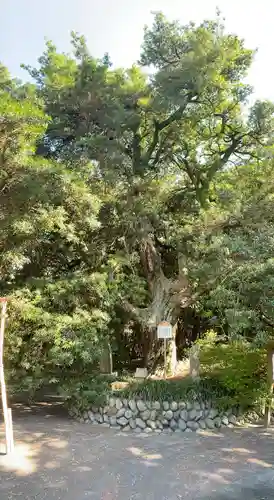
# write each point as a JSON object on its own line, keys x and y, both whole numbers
{"x": 57, "y": 458}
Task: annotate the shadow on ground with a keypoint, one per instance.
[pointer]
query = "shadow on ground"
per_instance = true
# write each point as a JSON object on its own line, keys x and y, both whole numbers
{"x": 58, "y": 458}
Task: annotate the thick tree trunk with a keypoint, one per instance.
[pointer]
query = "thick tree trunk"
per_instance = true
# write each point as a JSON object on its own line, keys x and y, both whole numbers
{"x": 168, "y": 296}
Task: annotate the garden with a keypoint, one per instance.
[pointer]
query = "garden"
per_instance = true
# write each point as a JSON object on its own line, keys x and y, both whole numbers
{"x": 129, "y": 198}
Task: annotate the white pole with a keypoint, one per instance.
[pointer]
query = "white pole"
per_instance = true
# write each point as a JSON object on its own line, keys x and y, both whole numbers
{"x": 165, "y": 357}
{"x": 6, "y": 410}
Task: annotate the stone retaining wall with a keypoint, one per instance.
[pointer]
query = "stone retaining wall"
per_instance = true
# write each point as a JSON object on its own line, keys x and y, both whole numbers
{"x": 156, "y": 416}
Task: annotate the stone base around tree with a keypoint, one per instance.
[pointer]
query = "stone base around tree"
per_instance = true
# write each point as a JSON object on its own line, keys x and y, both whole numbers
{"x": 155, "y": 416}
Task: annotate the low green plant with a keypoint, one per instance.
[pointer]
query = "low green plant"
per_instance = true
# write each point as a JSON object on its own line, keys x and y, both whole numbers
{"x": 238, "y": 367}
{"x": 161, "y": 390}
{"x": 88, "y": 390}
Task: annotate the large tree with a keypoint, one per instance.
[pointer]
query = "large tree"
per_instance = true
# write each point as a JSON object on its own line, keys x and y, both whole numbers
{"x": 59, "y": 301}
{"x": 152, "y": 146}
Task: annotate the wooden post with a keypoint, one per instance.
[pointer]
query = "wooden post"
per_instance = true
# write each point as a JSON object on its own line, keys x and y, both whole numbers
{"x": 270, "y": 379}
{"x": 165, "y": 358}
{"x": 270, "y": 354}
{"x": 6, "y": 410}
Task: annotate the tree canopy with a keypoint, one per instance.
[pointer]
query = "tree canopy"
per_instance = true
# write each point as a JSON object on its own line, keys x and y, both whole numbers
{"x": 133, "y": 195}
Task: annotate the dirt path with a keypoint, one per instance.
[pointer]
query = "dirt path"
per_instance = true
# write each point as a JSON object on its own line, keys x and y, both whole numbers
{"x": 57, "y": 458}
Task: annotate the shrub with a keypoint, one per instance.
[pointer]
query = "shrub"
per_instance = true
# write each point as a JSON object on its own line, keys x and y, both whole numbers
{"x": 233, "y": 374}
{"x": 54, "y": 334}
{"x": 94, "y": 390}
{"x": 88, "y": 390}
{"x": 239, "y": 369}
{"x": 161, "y": 390}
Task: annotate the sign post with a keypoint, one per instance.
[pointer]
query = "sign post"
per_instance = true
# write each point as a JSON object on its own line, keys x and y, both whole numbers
{"x": 270, "y": 378}
{"x": 164, "y": 331}
{"x": 6, "y": 410}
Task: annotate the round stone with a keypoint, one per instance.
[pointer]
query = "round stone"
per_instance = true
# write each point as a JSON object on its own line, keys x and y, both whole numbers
{"x": 183, "y": 415}
{"x": 173, "y": 424}
{"x": 189, "y": 405}
{"x": 126, "y": 428}
{"x": 156, "y": 405}
{"x": 112, "y": 402}
{"x": 166, "y": 405}
{"x": 182, "y": 425}
{"x": 106, "y": 418}
{"x": 132, "y": 405}
{"x": 118, "y": 404}
{"x": 192, "y": 425}
{"x": 128, "y": 414}
{"x": 148, "y": 430}
{"x": 140, "y": 423}
{"x": 202, "y": 424}
{"x": 173, "y": 406}
{"x": 137, "y": 430}
{"x": 122, "y": 421}
{"x": 225, "y": 420}
{"x": 145, "y": 415}
{"x": 132, "y": 423}
{"x": 218, "y": 422}
{"x": 112, "y": 421}
{"x": 209, "y": 423}
{"x": 199, "y": 415}
{"x": 213, "y": 413}
{"x": 141, "y": 405}
{"x": 197, "y": 405}
{"x": 159, "y": 424}
{"x": 151, "y": 424}
{"x": 125, "y": 403}
{"x": 232, "y": 419}
{"x": 182, "y": 405}
{"x": 192, "y": 414}
{"x": 120, "y": 413}
{"x": 169, "y": 415}
{"x": 99, "y": 418}
{"x": 91, "y": 416}
{"x": 153, "y": 415}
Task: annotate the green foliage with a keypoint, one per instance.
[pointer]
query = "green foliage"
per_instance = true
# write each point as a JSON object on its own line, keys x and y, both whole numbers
{"x": 165, "y": 390}
{"x": 238, "y": 367}
{"x": 54, "y": 331}
{"x": 144, "y": 195}
{"x": 58, "y": 312}
{"x": 83, "y": 391}
{"x": 95, "y": 391}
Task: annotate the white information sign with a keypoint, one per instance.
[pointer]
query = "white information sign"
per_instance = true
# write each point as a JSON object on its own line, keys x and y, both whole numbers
{"x": 164, "y": 330}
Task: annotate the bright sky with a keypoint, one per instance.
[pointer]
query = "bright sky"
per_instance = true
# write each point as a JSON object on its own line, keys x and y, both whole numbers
{"x": 116, "y": 26}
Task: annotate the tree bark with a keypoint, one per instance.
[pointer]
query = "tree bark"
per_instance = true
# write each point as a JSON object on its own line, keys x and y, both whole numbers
{"x": 167, "y": 298}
